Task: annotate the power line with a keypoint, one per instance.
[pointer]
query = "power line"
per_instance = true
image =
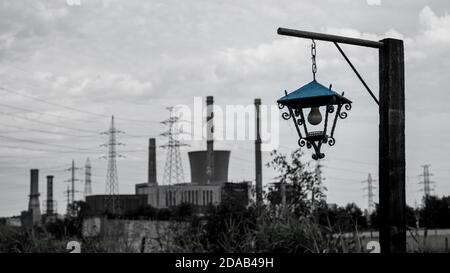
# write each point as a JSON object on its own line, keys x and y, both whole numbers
{"x": 48, "y": 123}
{"x": 42, "y": 150}
{"x": 8, "y": 90}
{"x": 43, "y": 131}
{"x": 27, "y": 110}
{"x": 42, "y": 143}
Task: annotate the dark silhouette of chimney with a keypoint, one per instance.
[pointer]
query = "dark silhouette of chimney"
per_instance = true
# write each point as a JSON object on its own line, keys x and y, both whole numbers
{"x": 34, "y": 204}
{"x": 258, "y": 161}
{"x": 210, "y": 139}
{"x": 50, "y": 208}
{"x": 152, "y": 161}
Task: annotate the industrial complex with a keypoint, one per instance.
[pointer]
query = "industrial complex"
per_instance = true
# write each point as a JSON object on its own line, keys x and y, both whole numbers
{"x": 208, "y": 185}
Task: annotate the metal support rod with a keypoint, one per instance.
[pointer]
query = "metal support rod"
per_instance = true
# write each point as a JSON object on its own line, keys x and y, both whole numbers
{"x": 329, "y": 38}
{"x": 357, "y": 73}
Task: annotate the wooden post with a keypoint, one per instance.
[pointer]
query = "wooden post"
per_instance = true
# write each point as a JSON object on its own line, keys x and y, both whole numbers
{"x": 392, "y": 147}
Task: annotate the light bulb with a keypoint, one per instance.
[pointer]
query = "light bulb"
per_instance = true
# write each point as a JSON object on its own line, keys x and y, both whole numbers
{"x": 314, "y": 116}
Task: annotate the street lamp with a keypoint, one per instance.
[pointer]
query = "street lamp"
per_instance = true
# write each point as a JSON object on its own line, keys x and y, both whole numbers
{"x": 391, "y": 107}
{"x": 314, "y": 96}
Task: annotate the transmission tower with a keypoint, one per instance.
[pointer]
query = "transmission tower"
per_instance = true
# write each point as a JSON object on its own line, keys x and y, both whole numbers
{"x": 370, "y": 193}
{"x": 112, "y": 181}
{"x": 71, "y": 189}
{"x": 173, "y": 170}
{"x": 427, "y": 189}
{"x": 87, "y": 179}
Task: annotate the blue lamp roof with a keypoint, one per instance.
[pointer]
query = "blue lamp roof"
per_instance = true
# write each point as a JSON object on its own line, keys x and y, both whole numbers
{"x": 313, "y": 94}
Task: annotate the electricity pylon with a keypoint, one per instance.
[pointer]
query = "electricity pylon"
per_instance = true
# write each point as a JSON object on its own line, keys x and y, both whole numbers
{"x": 71, "y": 190}
{"x": 112, "y": 181}
{"x": 427, "y": 189}
{"x": 173, "y": 170}
{"x": 370, "y": 193}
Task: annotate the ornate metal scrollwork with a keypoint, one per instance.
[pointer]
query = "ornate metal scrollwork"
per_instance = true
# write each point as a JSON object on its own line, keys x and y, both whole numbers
{"x": 280, "y": 106}
{"x": 286, "y": 115}
{"x": 331, "y": 141}
{"x": 330, "y": 109}
{"x": 301, "y": 142}
{"x": 343, "y": 114}
{"x": 348, "y": 106}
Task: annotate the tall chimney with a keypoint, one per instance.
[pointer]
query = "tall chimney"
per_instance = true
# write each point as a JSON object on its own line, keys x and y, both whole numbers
{"x": 50, "y": 210}
{"x": 258, "y": 161}
{"x": 34, "y": 204}
{"x": 152, "y": 161}
{"x": 210, "y": 139}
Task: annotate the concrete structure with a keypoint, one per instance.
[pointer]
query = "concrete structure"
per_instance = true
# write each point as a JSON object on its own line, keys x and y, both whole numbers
{"x": 210, "y": 163}
{"x": 50, "y": 202}
{"x": 96, "y": 204}
{"x": 172, "y": 195}
{"x": 34, "y": 208}
{"x": 199, "y": 163}
{"x": 152, "y": 178}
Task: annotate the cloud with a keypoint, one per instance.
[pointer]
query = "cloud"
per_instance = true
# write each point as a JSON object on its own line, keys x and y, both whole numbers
{"x": 134, "y": 58}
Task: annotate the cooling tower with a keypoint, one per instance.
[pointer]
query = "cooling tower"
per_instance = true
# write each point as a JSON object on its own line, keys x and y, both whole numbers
{"x": 198, "y": 162}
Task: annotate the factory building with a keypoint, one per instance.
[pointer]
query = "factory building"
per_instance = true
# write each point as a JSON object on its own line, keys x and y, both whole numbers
{"x": 96, "y": 204}
{"x": 209, "y": 177}
{"x": 199, "y": 192}
{"x": 173, "y": 195}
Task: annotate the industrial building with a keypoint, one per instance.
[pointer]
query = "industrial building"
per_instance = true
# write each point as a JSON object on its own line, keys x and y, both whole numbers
{"x": 209, "y": 177}
{"x": 96, "y": 204}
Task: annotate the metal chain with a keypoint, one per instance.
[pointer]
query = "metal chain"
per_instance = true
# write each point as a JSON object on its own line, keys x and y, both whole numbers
{"x": 313, "y": 58}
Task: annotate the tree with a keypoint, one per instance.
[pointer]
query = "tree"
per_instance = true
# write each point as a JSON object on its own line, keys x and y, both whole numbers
{"x": 435, "y": 212}
{"x": 411, "y": 220}
{"x": 302, "y": 186}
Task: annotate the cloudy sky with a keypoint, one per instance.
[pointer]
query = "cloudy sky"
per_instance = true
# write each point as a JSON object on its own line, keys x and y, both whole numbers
{"x": 65, "y": 69}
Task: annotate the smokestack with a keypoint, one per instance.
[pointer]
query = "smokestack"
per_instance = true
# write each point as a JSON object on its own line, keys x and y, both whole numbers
{"x": 258, "y": 161}
{"x": 210, "y": 139}
{"x": 152, "y": 161}
{"x": 50, "y": 195}
{"x": 34, "y": 204}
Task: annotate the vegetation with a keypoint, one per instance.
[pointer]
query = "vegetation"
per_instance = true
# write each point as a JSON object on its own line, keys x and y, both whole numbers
{"x": 302, "y": 222}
